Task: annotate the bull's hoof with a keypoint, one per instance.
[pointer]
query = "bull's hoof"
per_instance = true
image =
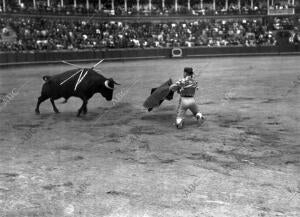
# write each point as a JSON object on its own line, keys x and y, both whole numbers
{"x": 56, "y": 111}
{"x": 179, "y": 126}
{"x": 37, "y": 112}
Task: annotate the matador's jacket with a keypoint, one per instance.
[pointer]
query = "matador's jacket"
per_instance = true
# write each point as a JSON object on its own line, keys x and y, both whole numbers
{"x": 186, "y": 87}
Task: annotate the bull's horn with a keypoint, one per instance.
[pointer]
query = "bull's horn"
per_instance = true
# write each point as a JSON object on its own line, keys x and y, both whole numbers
{"x": 107, "y": 86}
{"x": 116, "y": 83}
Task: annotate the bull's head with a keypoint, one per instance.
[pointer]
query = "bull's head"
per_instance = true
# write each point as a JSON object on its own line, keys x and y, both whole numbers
{"x": 109, "y": 86}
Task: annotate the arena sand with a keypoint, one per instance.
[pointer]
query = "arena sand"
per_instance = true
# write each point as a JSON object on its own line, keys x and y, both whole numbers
{"x": 120, "y": 160}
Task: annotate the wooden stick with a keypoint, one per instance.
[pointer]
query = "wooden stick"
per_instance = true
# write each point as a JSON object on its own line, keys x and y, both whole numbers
{"x": 71, "y": 64}
{"x": 94, "y": 66}
{"x": 71, "y": 77}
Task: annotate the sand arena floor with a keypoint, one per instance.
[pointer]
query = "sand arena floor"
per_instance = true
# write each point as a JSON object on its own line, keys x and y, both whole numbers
{"x": 120, "y": 160}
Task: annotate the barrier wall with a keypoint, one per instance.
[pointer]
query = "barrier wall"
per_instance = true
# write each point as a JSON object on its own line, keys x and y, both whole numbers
{"x": 7, "y": 58}
{"x": 11, "y": 58}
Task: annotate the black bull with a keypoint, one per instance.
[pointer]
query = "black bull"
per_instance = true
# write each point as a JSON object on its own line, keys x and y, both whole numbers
{"x": 74, "y": 83}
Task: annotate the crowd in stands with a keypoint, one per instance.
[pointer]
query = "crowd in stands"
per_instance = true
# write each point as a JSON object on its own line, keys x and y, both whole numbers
{"x": 282, "y": 23}
{"x": 53, "y": 34}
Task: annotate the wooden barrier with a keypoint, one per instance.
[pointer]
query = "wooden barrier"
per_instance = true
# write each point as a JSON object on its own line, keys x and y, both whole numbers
{"x": 15, "y": 58}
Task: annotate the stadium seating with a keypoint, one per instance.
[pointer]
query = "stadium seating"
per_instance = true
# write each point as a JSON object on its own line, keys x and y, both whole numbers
{"x": 35, "y": 32}
{"x": 53, "y": 34}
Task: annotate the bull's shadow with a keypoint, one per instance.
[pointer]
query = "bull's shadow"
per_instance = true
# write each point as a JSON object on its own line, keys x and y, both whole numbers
{"x": 110, "y": 114}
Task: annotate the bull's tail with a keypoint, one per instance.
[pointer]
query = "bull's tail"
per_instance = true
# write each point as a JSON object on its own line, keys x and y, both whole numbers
{"x": 46, "y": 77}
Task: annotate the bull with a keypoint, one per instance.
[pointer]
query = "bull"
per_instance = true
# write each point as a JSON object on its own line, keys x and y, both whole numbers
{"x": 81, "y": 83}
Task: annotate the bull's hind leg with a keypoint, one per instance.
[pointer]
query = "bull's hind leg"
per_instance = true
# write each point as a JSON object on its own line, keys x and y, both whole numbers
{"x": 40, "y": 100}
{"x": 54, "y": 106}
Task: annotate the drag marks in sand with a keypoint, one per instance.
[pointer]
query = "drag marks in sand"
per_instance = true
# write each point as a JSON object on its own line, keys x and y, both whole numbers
{"x": 136, "y": 149}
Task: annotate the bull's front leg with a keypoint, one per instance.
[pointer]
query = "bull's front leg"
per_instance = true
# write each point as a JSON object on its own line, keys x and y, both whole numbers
{"x": 83, "y": 107}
